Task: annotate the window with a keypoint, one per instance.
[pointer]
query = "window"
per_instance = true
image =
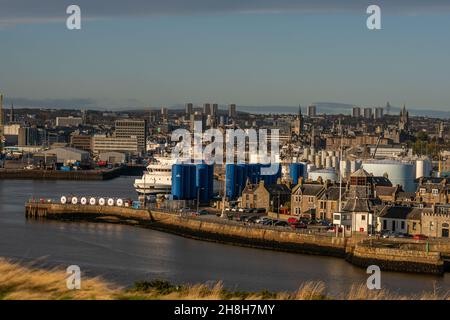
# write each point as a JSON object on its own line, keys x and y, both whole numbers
{"x": 403, "y": 224}
{"x": 363, "y": 217}
{"x": 435, "y": 192}
{"x": 384, "y": 224}
{"x": 414, "y": 226}
{"x": 422, "y": 191}
{"x": 336, "y": 217}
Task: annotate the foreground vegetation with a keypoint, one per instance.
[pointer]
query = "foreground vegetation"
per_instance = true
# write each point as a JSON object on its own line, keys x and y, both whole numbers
{"x": 26, "y": 283}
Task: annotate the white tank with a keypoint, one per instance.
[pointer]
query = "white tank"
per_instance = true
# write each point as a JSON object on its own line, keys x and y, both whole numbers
{"x": 102, "y": 201}
{"x": 83, "y": 201}
{"x": 345, "y": 168}
{"x": 110, "y": 202}
{"x": 306, "y": 153}
{"x": 334, "y": 162}
{"x": 402, "y": 173}
{"x": 74, "y": 200}
{"x": 328, "y": 162}
{"x": 92, "y": 201}
{"x": 63, "y": 200}
{"x": 325, "y": 174}
{"x": 423, "y": 168}
{"x": 318, "y": 161}
{"x": 119, "y": 202}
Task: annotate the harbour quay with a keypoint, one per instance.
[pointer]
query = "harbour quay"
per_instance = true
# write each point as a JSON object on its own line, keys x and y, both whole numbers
{"x": 401, "y": 255}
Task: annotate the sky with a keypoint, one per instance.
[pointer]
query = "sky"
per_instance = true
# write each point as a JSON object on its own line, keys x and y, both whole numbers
{"x": 140, "y": 54}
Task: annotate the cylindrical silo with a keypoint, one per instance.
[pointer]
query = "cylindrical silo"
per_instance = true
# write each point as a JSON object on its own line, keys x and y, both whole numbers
{"x": 177, "y": 178}
{"x": 402, "y": 173}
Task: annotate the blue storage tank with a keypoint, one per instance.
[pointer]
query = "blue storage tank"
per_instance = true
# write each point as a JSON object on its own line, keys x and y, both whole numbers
{"x": 238, "y": 174}
{"x": 272, "y": 178}
{"x": 210, "y": 181}
{"x": 177, "y": 181}
{"x": 201, "y": 182}
{"x": 241, "y": 178}
{"x": 230, "y": 180}
{"x": 188, "y": 179}
{"x": 254, "y": 172}
{"x": 192, "y": 183}
{"x": 297, "y": 170}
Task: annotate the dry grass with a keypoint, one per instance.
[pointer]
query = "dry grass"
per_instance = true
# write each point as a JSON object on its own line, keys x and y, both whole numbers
{"x": 27, "y": 283}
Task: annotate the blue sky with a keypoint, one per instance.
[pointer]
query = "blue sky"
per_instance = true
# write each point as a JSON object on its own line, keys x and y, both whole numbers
{"x": 248, "y": 55}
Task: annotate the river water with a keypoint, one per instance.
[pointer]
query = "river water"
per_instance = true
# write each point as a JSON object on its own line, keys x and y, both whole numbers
{"x": 124, "y": 254}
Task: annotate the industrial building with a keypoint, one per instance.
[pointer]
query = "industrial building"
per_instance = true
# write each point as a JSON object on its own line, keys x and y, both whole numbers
{"x": 69, "y": 121}
{"x": 66, "y": 156}
{"x": 133, "y": 128}
{"x": 104, "y": 143}
{"x": 113, "y": 157}
{"x": 82, "y": 142}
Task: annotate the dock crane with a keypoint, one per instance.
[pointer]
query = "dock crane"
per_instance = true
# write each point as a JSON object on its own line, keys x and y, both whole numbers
{"x": 377, "y": 145}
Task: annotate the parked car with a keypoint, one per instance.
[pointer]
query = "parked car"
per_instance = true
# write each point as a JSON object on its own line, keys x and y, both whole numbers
{"x": 399, "y": 235}
{"x": 281, "y": 224}
{"x": 299, "y": 225}
{"x": 420, "y": 237}
{"x": 269, "y": 222}
{"x": 250, "y": 218}
{"x": 262, "y": 219}
{"x": 202, "y": 212}
{"x": 242, "y": 218}
{"x": 388, "y": 234}
{"x": 325, "y": 223}
{"x": 292, "y": 220}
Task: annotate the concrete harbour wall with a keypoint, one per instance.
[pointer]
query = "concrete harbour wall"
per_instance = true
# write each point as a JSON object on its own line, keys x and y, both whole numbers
{"x": 357, "y": 251}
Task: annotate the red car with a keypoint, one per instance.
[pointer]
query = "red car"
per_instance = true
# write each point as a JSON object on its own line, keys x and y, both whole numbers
{"x": 420, "y": 237}
{"x": 292, "y": 220}
{"x": 299, "y": 225}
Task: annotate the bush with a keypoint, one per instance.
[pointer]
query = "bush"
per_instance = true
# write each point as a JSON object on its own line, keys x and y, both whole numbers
{"x": 157, "y": 285}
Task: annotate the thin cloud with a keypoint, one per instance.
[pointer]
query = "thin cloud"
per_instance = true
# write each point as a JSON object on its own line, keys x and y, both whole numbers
{"x": 31, "y": 11}
{"x": 75, "y": 103}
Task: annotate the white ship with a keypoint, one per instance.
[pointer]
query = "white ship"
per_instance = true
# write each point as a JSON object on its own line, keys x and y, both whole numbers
{"x": 157, "y": 178}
